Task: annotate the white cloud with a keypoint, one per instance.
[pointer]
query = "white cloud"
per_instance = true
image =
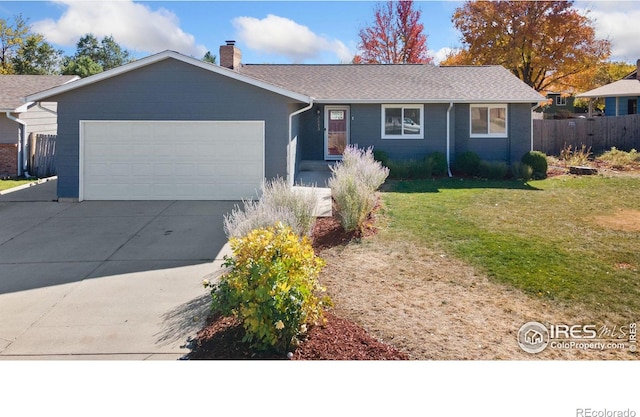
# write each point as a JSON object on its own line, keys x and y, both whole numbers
{"x": 282, "y": 36}
{"x": 620, "y": 26}
{"x": 441, "y": 54}
{"x": 134, "y": 26}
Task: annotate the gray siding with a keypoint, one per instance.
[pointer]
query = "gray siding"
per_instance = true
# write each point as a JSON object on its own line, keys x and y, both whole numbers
{"x": 508, "y": 149}
{"x": 169, "y": 90}
{"x": 41, "y": 121}
{"x": 366, "y": 131}
{"x": 519, "y": 130}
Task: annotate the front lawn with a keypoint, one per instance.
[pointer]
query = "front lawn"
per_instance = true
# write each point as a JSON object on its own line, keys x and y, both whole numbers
{"x": 7, "y": 184}
{"x": 570, "y": 239}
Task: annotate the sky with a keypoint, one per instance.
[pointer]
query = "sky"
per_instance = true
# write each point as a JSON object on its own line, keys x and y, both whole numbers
{"x": 272, "y": 31}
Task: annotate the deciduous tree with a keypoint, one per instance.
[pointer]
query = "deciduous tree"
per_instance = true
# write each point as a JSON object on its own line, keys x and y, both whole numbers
{"x": 12, "y": 36}
{"x": 395, "y": 37}
{"x": 92, "y": 57}
{"x": 36, "y": 56}
{"x": 544, "y": 43}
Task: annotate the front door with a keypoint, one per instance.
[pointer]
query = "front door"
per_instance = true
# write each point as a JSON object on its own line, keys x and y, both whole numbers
{"x": 336, "y": 128}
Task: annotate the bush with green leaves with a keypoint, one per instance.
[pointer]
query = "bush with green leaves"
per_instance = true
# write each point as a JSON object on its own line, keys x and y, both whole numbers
{"x": 538, "y": 162}
{"x": 353, "y": 183}
{"x": 493, "y": 170}
{"x": 381, "y": 156}
{"x": 520, "y": 171}
{"x": 409, "y": 169}
{"x": 270, "y": 284}
{"x": 439, "y": 166}
{"x": 467, "y": 163}
{"x": 278, "y": 203}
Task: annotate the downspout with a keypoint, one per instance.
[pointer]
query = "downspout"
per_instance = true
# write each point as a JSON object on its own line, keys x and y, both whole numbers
{"x": 291, "y": 169}
{"x": 449, "y": 139}
{"x": 534, "y": 108}
{"x": 21, "y": 143}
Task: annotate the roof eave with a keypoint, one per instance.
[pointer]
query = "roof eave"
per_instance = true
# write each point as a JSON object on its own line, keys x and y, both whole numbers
{"x": 425, "y": 101}
{"x": 157, "y": 58}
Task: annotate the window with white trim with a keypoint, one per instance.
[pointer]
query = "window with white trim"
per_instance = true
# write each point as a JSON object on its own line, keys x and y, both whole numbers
{"x": 402, "y": 121}
{"x": 561, "y": 101}
{"x": 489, "y": 120}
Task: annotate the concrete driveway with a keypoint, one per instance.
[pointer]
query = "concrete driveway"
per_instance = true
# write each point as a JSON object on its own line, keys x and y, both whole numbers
{"x": 104, "y": 280}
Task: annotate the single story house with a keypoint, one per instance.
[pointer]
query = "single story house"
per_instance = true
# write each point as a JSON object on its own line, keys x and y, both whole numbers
{"x": 19, "y": 119}
{"x": 169, "y": 126}
{"x": 620, "y": 97}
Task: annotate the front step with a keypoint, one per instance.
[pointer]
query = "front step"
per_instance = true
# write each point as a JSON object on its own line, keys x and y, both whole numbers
{"x": 321, "y": 166}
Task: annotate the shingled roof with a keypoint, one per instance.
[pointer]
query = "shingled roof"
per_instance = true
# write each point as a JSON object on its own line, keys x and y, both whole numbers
{"x": 398, "y": 83}
{"x": 13, "y": 88}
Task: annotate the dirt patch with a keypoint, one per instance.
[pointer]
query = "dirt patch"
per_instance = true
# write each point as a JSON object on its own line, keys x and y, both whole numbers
{"x": 624, "y": 220}
{"x": 434, "y": 307}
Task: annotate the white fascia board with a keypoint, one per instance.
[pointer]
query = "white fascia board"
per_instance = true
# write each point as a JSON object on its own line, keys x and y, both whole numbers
{"x": 160, "y": 57}
{"x": 425, "y": 101}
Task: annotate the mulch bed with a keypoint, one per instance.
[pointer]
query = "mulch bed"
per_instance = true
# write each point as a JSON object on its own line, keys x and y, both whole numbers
{"x": 338, "y": 339}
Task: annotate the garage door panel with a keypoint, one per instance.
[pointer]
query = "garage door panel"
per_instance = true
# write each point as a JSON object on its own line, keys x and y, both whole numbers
{"x": 154, "y": 160}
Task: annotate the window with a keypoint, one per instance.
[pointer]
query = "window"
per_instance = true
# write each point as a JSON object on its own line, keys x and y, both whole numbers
{"x": 561, "y": 101}
{"x": 402, "y": 122}
{"x": 489, "y": 120}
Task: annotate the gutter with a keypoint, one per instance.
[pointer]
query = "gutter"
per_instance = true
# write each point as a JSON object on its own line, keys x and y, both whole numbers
{"x": 534, "y": 108}
{"x": 449, "y": 139}
{"x": 41, "y": 107}
{"x": 291, "y": 169}
{"x": 21, "y": 144}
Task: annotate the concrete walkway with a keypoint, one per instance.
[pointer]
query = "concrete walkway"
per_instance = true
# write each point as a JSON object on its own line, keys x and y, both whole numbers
{"x": 105, "y": 280}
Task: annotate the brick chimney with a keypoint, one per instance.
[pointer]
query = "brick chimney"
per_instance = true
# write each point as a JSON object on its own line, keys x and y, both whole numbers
{"x": 230, "y": 56}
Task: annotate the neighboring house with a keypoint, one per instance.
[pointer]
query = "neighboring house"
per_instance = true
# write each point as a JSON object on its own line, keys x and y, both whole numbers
{"x": 19, "y": 119}
{"x": 560, "y": 105}
{"x": 172, "y": 127}
{"x": 620, "y": 97}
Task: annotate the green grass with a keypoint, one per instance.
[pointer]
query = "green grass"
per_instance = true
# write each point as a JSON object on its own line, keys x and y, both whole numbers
{"x": 541, "y": 237}
{"x": 6, "y": 184}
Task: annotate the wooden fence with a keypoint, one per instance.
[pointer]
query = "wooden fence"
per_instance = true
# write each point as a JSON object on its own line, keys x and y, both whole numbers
{"x": 42, "y": 152}
{"x": 599, "y": 133}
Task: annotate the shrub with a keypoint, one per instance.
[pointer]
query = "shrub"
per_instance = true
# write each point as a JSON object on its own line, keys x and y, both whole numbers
{"x": 620, "y": 159}
{"x": 409, "y": 169}
{"x": 493, "y": 170}
{"x": 439, "y": 165}
{"x": 467, "y": 163}
{"x": 360, "y": 163}
{"x": 353, "y": 183}
{"x": 521, "y": 171}
{"x": 381, "y": 156}
{"x": 279, "y": 203}
{"x": 538, "y": 162}
{"x": 354, "y": 201}
{"x": 271, "y": 286}
{"x": 277, "y": 193}
{"x": 574, "y": 157}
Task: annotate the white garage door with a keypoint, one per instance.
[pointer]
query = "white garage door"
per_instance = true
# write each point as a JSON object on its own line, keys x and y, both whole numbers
{"x": 171, "y": 160}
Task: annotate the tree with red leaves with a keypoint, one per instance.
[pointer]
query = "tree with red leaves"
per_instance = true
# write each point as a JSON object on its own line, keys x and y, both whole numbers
{"x": 396, "y": 36}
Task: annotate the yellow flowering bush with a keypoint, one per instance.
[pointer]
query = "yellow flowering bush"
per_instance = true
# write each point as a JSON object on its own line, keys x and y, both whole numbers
{"x": 271, "y": 286}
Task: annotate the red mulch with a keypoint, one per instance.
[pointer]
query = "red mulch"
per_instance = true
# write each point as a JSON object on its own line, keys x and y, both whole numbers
{"x": 338, "y": 339}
